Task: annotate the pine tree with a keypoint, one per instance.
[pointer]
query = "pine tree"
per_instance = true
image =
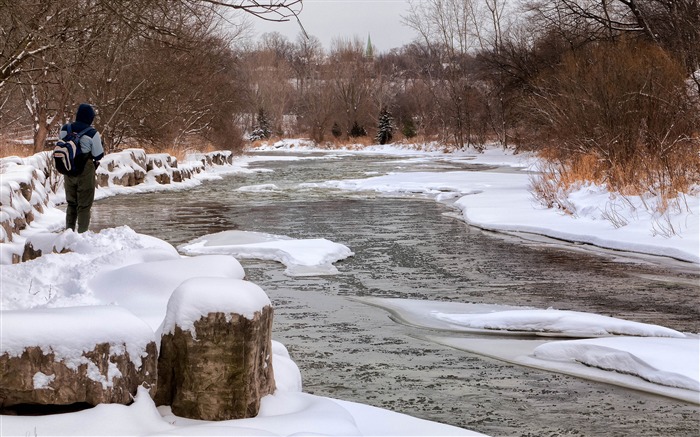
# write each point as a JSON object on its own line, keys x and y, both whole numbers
{"x": 357, "y": 130}
{"x": 409, "y": 128}
{"x": 385, "y": 129}
{"x": 336, "y": 131}
{"x": 369, "y": 51}
{"x": 262, "y": 130}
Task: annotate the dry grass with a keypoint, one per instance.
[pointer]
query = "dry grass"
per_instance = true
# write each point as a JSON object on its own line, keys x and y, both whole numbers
{"x": 350, "y": 143}
{"x": 332, "y": 144}
{"x": 181, "y": 152}
{"x": 663, "y": 178}
{"x": 12, "y": 148}
{"x": 675, "y": 172}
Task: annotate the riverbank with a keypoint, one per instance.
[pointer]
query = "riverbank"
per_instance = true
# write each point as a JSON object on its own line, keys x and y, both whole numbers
{"x": 494, "y": 201}
{"x": 334, "y": 323}
{"x": 68, "y": 274}
{"x": 503, "y": 202}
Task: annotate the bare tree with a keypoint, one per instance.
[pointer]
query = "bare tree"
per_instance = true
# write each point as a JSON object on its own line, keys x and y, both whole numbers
{"x": 269, "y": 75}
{"x": 45, "y": 48}
{"x": 451, "y": 30}
{"x": 307, "y": 56}
{"x": 674, "y": 25}
{"x": 269, "y": 10}
{"x": 39, "y": 48}
{"x": 316, "y": 107}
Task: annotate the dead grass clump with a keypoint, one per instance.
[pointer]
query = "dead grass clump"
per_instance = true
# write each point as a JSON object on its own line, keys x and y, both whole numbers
{"x": 662, "y": 178}
{"x": 548, "y": 189}
{"x": 560, "y": 175}
{"x": 14, "y": 148}
{"x": 349, "y": 143}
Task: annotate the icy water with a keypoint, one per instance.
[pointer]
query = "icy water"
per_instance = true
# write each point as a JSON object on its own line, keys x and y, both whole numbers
{"x": 414, "y": 248}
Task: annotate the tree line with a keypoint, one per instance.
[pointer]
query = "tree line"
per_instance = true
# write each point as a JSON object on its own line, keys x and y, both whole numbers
{"x": 158, "y": 71}
{"x": 610, "y": 83}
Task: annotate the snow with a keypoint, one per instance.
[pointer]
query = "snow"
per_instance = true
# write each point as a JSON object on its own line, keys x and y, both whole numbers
{"x": 287, "y": 374}
{"x": 197, "y": 297}
{"x": 571, "y": 323}
{"x": 145, "y": 288}
{"x": 122, "y": 279}
{"x": 665, "y": 361}
{"x": 637, "y": 355}
{"x": 44, "y": 282}
{"x": 284, "y": 413}
{"x": 302, "y": 257}
{"x": 42, "y": 381}
{"x": 258, "y": 188}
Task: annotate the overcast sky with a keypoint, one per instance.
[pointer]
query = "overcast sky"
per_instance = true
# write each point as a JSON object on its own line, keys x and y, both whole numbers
{"x": 331, "y": 19}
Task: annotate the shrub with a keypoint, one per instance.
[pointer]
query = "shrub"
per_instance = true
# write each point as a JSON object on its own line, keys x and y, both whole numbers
{"x": 336, "y": 131}
{"x": 409, "y": 128}
{"x": 357, "y": 131}
{"x": 618, "y": 113}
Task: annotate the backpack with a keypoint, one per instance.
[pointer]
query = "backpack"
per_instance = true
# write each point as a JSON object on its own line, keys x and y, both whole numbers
{"x": 68, "y": 156}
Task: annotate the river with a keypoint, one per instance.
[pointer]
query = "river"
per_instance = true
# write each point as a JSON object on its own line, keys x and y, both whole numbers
{"x": 411, "y": 247}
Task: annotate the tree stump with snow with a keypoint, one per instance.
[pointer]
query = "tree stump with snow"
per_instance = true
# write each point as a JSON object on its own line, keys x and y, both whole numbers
{"x": 215, "y": 358}
{"x": 67, "y": 356}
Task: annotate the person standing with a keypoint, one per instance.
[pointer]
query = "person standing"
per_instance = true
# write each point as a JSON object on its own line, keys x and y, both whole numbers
{"x": 80, "y": 189}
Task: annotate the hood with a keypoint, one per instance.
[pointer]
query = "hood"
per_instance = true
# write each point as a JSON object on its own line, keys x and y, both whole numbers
{"x": 85, "y": 114}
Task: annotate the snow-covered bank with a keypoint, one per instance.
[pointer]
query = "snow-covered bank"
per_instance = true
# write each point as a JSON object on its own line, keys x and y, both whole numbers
{"x": 139, "y": 273}
{"x": 30, "y": 189}
{"x": 502, "y": 201}
{"x": 120, "y": 296}
{"x": 281, "y": 414}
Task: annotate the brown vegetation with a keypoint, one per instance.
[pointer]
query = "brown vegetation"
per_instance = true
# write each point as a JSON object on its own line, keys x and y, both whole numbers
{"x": 13, "y": 148}
{"x": 606, "y": 90}
{"x": 620, "y": 114}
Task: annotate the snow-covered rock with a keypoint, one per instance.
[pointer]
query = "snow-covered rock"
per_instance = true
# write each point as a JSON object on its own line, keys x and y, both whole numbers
{"x": 23, "y": 194}
{"x": 62, "y": 356}
{"x": 216, "y": 352}
{"x": 126, "y": 168}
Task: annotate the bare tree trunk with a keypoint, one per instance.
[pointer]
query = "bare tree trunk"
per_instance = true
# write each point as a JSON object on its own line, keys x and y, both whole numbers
{"x": 40, "y": 135}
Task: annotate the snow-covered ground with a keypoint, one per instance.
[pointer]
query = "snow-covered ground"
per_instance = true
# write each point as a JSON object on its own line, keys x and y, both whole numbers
{"x": 142, "y": 276}
{"x": 108, "y": 265}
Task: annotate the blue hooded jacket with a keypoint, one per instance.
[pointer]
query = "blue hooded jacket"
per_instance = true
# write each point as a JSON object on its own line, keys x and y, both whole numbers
{"x": 91, "y": 140}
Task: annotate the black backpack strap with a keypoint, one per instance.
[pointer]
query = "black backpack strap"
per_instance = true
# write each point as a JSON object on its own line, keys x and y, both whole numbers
{"x": 83, "y": 132}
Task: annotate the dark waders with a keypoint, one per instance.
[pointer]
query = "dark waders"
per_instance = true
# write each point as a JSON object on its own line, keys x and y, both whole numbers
{"x": 80, "y": 193}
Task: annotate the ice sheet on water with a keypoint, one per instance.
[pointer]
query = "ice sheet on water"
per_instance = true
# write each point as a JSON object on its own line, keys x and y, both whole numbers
{"x": 302, "y": 257}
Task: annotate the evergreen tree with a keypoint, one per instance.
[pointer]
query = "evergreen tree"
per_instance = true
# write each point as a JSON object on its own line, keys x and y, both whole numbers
{"x": 385, "y": 131}
{"x": 357, "y": 130}
{"x": 262, "y": 130}
{"x": 409, "y": 128}
{"x": 336, "y": 131}
{"x": 369, "y": 51}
